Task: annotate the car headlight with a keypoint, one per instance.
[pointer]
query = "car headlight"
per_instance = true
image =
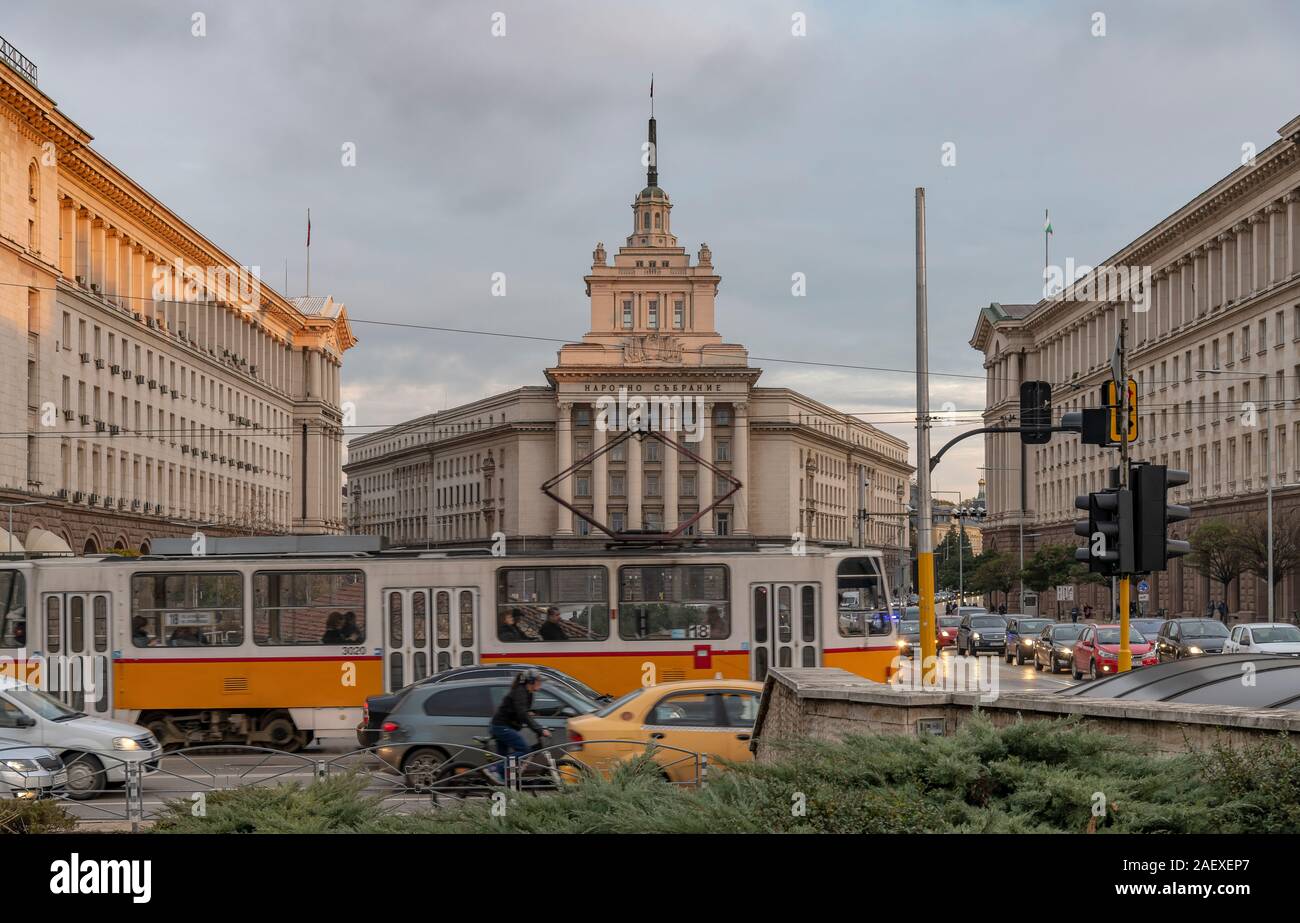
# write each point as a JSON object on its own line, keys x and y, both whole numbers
{"x": 1026, "y": 642}
{"x": 975, "y": 635}
{"x": 126, "y": 743}
{"x": 22, "y": 765}
{"x": 902, "y": 643}
{"x": 1064, "y": 651}
{"x": 1105, "y": 655}
{"x": 1195, "y": 650}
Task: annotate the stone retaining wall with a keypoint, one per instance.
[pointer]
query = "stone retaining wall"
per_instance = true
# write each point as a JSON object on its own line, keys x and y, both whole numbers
{"x": 826, "y": 704}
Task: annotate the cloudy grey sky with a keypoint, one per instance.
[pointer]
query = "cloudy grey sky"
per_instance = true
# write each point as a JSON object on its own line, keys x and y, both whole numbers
{"x": 478, "y": 155}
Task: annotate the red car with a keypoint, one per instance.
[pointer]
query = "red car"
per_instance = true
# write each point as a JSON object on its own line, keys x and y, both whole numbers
{"x": 945, "y": 629}
{"x": 1096, "y": 653}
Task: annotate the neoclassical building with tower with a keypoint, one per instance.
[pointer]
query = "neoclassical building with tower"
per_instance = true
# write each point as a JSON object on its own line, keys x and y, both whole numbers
{"x": 459, "y": 475}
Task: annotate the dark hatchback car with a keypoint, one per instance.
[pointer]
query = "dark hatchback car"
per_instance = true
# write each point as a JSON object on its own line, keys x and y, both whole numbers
{"x": 378, "y": 707}
{"x": 982, "y": 631}
{"x": 1054, "y": 649}
{"x": 1022, "y": 632}
{"x": 909, "y": 637}
{"x": 436, "y": 728}
{"x": 1181, "y": 638}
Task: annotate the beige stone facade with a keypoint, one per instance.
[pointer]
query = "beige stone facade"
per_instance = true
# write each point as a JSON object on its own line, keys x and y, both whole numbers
{"x": 1216, "y": 358}
{"x": 460, "y": 475}
{"x": 149, "y": 384}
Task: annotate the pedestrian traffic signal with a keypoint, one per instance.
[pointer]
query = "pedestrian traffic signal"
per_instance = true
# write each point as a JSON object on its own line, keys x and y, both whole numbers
{"x": 1108, "y": 531}
{"x": 1150, "y": 485}
{"x": 1035, "y": 412}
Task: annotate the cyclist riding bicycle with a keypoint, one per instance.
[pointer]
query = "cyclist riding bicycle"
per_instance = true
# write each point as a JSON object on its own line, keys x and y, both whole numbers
{"x": 514, "y": 712}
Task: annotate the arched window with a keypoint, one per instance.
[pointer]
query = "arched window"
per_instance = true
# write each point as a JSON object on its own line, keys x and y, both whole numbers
{"x": 647, "y": 221}
{"x": 33, "y": 181}
{"x": 657, "y": 222}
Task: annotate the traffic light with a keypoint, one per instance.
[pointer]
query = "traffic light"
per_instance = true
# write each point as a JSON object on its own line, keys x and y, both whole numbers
{"x": 1035, "y": 412}
{"x": 1150, "y": 485}
{"x": 1108, "y": 531}
{"x": 1110, "y": 400}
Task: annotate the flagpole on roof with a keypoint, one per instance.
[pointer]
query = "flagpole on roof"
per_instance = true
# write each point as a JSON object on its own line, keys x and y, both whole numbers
{"x": 308, "y": 291}
{"x": 1047, "y": 237}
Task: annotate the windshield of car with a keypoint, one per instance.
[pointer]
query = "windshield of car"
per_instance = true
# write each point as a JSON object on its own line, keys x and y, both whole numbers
{"x": 1112, "y": 636}
{"x": 44, "y": 704}
{"x": 1032, "y": 626}
{"x": 1147, "y": 626}
{"x": 1276, "y": 634}
{"x": 971, "y": 610}
{"x": 909, "y": 627}
{"x": 987, "y": 621}
{"x": 607, "y": 710}
{"x": 1066, "y": 632}
{"x": 949, "y": 621}
{"x": 1203, "y": 628}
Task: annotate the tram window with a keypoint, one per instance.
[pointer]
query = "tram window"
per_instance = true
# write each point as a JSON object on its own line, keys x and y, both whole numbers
{"x": 76, "y": 625}
{"x": 466, "y": 618}
{"x": 419, "y": 666}
{"x": 808, "y": 611}
{"x": 760, "y": 663}
{"x": 394, "y": 619}
{"x": 101, "y": 623}
{"x": 419, "y": 620}
{"x": 187, "y": 610}
{"x": 310, "y": 607}
{"x": 552, "y": 604}
{"x": 862, "y": 608}
{"x": 395, "y": 679}
{"x": 760, "y": 615}
{"x": 674, "y": 602}
{"x": 784, "y": 620}
{"x": 442, "y": 631}
{"x": 13, "y": 609}
{"x": 52, "y": 624}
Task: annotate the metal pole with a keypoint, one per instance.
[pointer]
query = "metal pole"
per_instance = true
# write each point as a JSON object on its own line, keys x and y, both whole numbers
{"x": 862, "y": 506}
{"x": 1268, "y": 444}
{"x": 1125, "y": 650}
{"x": 961, "y": 553}
{"x": 924, "y": 519}
{"x": 1021, "y": 576}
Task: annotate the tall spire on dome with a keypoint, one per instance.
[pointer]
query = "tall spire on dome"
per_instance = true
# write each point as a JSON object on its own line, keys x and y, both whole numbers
{"x": 652, "y": 162}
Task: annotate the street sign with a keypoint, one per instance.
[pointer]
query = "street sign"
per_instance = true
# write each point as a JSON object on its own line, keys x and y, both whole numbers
{"x": 1065, "y": 594}
{"x": 1110, "y": 400}
{"x": 1144, "y": 597}
{"x": 1144, "y": 587}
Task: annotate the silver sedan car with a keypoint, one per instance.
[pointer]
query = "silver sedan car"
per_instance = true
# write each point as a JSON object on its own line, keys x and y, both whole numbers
{"x": 30, "y": 772}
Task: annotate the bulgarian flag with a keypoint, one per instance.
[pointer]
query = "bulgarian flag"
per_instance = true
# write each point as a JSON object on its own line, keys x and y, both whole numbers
{"x": 1047, "y": 223}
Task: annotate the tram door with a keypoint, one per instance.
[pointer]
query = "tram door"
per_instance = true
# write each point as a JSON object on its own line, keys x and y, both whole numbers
{"x": 784, "y": 626}
{"x": 406, "y": 618}
{"x": 455, "y": 628}
{"x": 76, "y": 641}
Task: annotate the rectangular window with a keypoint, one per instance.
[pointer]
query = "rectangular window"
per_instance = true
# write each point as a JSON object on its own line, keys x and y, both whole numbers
{"x": 616, "y": 488}
{"x": 552, "y": 604}
{"x": 627, "y": 314}
{"x": 618, "y": 520}
{"x": 13, "y": 608}
{"x": 652, "y": 485}
{"x": 723, "y": 452}
{"x": 679, "y": 314}
{"x": 650, "y": 449}
{"x": 309, "y": 607}
{"x": 687, "y": 483}
{"x": 187, "y": 610}
{"x": 583, "y": 487}
{"x": 582, "y": 416}
{"x": 654, "y": 315}
{"x": 673, "y": 602}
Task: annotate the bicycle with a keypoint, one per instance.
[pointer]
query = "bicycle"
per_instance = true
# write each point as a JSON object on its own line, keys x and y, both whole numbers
{"x": 535, "y": 773}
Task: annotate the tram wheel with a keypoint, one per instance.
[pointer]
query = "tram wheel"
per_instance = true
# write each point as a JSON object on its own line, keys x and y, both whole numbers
{"x": 278, "y": 731}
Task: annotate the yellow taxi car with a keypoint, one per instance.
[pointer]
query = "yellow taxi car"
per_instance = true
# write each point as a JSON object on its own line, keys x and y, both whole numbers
{"x": 672, "y": 722}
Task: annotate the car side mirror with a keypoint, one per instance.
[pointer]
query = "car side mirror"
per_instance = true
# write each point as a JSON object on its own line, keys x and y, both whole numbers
{"x": 568, "y": 711}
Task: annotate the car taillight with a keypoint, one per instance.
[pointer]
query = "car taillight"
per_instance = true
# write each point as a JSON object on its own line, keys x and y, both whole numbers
{"x": 390, "y": 726}
{"x": 365, "y": 713}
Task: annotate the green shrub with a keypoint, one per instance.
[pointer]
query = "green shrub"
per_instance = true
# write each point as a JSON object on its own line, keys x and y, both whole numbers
{"x": 1037, "y": 776}
{"x": 34, "y": 817}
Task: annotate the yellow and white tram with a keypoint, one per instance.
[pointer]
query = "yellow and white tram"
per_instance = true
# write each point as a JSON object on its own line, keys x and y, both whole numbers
{"x": 276, "y": 640}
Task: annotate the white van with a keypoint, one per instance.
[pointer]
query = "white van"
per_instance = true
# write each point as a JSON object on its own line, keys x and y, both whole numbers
{"x": 94, "y": 750}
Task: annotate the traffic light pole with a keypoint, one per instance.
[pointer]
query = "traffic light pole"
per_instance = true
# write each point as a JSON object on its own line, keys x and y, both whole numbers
{"x": 924, "y": 519}
{"x": 1121, "y": 387}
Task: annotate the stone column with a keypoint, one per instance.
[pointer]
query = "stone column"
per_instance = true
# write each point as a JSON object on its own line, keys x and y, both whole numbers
{"x": 634, "y": 488}
{"x": 1276, "y": 243}
{"x": 564, "y": 458}
{"x": 740, "y": 467}
{"x": 600, "y": 479}
{"x": 668, "y": 479}
{"x": 67, "y": 239}
{"x": 704, "y": 478}
{"x": 1292, "y": 200}
{"x": 1258, "y": 253}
